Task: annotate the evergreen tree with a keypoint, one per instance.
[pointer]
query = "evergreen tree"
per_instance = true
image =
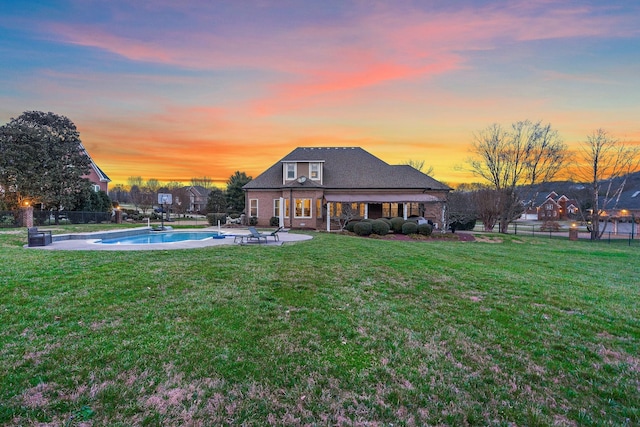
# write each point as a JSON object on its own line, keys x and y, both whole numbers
{"x": 43, "y": 160}
{"x": 217, "y": 201}
{"x": 235, "y": 193}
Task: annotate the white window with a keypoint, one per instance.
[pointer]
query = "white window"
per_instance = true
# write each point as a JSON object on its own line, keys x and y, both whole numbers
{"x": 253, "y": 207}
{"x": 291, "y": 171}
{"x": 96, "y": 188}
{"x": 276, "y": 208}
{"x": 314, "y": 171}
{"x": 303, "y": 208}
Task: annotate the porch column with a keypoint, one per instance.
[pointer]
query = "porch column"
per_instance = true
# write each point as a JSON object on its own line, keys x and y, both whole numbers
{"x": 328, "y": 216}
{"x": 366, "y": 211}
{"x": 281, "y": 212}
{"x": 404, "y": 211}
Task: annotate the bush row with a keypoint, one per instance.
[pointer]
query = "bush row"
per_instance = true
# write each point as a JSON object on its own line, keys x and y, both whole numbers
{"x": 383, "y": 226}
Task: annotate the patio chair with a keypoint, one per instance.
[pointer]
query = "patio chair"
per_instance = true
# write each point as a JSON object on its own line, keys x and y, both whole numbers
{"x": 274, "y": 234}
{"x": 256, "y": 235}
{"x": 38, "y": 237}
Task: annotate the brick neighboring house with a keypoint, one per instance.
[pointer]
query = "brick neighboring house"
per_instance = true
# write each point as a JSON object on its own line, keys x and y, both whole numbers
{"x": 198, "y": 197}
{"x": 310, "y": 187}
{"x": 557, "y": 208}
{"x": 96, "y": 175}
{"x": 99, "y": 179}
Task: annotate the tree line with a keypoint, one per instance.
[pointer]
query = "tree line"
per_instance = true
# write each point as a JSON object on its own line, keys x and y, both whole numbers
{"x": 142, "y": 195}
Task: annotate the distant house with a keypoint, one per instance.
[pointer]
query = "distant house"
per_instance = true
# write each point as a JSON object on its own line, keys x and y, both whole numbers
{"x": 557, "y": 208}
{"x": 628, "y": 205}
{"x": 311, "y": 186}
{"x": 198, "y": 197}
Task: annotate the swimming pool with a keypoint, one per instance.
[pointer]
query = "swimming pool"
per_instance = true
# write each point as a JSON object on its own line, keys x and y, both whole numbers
{"x": 162, "y": 237}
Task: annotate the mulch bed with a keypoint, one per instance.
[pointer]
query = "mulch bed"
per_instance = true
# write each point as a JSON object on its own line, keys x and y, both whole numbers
{"x": 466, "y": 237}
{"x": 461, "y": 237}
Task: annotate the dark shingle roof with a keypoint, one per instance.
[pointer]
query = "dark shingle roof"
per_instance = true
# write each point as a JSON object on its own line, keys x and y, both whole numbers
{"x": 103, "y": 176}
{"x": 349, "y": 168}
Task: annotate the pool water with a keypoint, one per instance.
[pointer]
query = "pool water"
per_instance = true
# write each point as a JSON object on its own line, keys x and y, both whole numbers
{"x": 171, "y": 237}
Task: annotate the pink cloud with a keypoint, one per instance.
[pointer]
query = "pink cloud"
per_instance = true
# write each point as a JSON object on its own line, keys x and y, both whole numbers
{"x": 130, "y": 48}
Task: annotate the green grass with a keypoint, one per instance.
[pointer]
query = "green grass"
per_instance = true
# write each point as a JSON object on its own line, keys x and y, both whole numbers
{"x": 338, "y": 330}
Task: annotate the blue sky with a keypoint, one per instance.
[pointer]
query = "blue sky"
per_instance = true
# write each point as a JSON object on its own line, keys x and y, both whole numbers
{"x": 178, "y": 89}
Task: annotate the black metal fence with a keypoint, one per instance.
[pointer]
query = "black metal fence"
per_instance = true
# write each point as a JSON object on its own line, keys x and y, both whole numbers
{"x": 629, "y": 238}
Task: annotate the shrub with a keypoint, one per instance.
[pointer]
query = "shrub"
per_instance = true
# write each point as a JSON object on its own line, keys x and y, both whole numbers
{"x": 213, "y": 218}
{"x": 380, "y": 228}
{"x": 425, "y": 229}
{"x": 550, "y": 226}
{"x": 253, "y": 220}
{"x": 274, "y": 221}
{"x": 350, "y": 225}
{"x": 396, "y": 224}
{"x": 386, "y": 220}
{"x": 362, "y": 228}
{"x": 409, "y": 227}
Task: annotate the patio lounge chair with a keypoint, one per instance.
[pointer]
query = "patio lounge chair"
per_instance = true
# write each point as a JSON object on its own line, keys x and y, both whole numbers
{"x": 38, "y": 238}
{"x": 256, "y": 235}
{"x": 274, "y": 234}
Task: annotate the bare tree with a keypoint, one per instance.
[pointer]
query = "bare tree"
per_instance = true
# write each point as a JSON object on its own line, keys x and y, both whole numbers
{"x": 527, "y": 154}
{"x": 347, "y": 213}
{"x": 604, "y": 165}
{"x": 149, "y": 194}
{"x": 153, "y": 185}
{"x": 204, "y": 182}
{"x": 135, "y": 180}
{"x": 419, "y": 165}
{"x": 488, "y": 205}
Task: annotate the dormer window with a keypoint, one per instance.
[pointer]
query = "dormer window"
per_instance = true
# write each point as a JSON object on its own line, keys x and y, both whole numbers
{"x": 314, "y": 171}
{"x": 291, "y": 171}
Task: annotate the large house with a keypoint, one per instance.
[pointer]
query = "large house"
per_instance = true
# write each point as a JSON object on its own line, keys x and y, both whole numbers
{"x": 311, "y": 187}
{"x": 557, "y": 208}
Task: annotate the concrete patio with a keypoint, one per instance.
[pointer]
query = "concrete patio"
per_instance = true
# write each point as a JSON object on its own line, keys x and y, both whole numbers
{"x": 87, "y": 242}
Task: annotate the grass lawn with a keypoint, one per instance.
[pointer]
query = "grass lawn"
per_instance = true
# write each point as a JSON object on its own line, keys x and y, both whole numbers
{"x": 338, "y": 330}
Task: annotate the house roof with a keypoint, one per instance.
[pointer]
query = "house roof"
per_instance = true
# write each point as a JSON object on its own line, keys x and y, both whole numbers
{"x": 103, "y": 176}
{"x": 198, "y": 190}
{"x": 349, "y": 168}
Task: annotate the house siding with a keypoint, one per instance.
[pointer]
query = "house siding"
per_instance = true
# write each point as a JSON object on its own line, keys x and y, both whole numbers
{"x": 266, "y": 211}
{"x": 95, "y": 179}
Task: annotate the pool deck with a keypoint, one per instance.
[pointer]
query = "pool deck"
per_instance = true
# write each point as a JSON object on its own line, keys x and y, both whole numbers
{"x": 85, "y": 241}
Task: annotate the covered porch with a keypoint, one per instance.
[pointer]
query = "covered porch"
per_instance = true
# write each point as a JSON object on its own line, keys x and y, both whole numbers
{"x": 379, "y": 205}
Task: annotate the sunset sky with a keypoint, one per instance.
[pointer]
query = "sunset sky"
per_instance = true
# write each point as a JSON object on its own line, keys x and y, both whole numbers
{"x": 178, "y": 89}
